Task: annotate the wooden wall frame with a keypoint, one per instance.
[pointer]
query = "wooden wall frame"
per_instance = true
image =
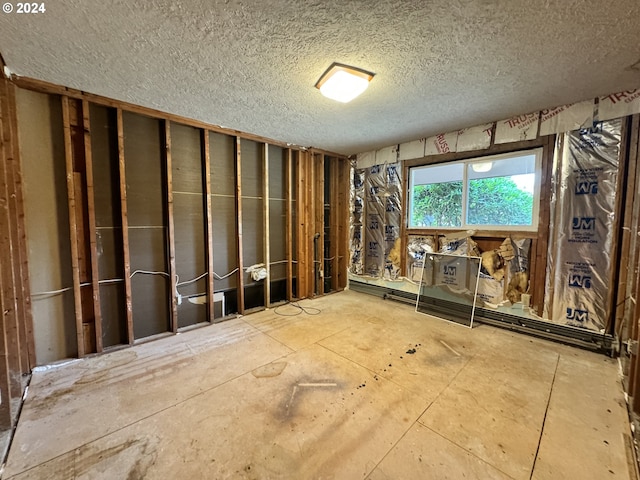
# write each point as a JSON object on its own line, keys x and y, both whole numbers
{"x": 305, "y": 199}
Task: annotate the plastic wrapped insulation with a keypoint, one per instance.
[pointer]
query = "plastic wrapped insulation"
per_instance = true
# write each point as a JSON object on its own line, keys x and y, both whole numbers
{"x": 580, "y": 251}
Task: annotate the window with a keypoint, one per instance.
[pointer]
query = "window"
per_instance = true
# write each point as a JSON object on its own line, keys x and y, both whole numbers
{"x": 499, "y": 192}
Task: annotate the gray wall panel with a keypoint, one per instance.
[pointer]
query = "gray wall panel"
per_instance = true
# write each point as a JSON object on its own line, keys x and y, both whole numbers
{"x": 149, "y": 293}
{"x": 112, "y": 301}
{"x": 110, "y": 255}
{"x": 186, "y": 159}
{"x": 146, "y": 197}
{"x": 252, "y": 235}
{"x": 222, "y": 160}
{"x": 47, "y": 221}
{"x": 252, "y": 171}
{"x": 277, "y": 172}
{"x": 104, "y": 153}
{"x": 225, "y": 251}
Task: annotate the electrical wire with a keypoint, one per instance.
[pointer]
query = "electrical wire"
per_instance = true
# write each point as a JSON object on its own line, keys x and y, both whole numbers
{"x": 187, "y": 282}
{"x": 148, "y": 272}
{"x": 225, "y": 276}
{"x": 300, "y": 309}
{"x": 66, "y": 289}
{"x": 112, "y": 280}
{"x": 51, "y": 292}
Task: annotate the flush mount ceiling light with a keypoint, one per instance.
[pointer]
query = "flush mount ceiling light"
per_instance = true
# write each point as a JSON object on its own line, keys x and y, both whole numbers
{"x": 343, "y": 83}
{"x": 482, "y": 167}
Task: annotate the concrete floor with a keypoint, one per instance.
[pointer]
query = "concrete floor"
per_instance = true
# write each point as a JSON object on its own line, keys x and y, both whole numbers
{"x": 334, "y": 395}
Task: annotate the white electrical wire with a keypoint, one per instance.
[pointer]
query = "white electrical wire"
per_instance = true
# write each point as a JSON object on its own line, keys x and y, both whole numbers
{"x": 62, "y": 290}
{"x": 225, "y": 276}
{"x": 51, "y": 292}
{"x": 187, "y": 282}
{"x": 148, "y": 272}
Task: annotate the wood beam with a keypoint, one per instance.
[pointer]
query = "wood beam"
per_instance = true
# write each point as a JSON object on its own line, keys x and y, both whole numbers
{"x": 318, "y": 217}
{"x": 206, "y": 151}
{"x": 10, "y": 347}
{"x": 240, "y": 290}
{"x": 335, "y": 249}
{"x": 93, "y": 243}
{"x": 173, "y": 316}
{"x": 28, "y": 346}
{"x": 73, "y": 231}
{"x": 288, "y": 224}
{"x": 125, "y": 227}
{"x": 265, "y": 221}
{"x": 343, "y": 252}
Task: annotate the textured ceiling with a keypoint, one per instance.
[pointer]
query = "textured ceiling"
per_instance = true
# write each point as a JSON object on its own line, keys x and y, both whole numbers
{"x": 440, "y": 65}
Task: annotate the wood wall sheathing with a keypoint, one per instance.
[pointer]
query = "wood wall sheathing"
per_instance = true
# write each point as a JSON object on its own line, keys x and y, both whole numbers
{"x": 138, "y": 204}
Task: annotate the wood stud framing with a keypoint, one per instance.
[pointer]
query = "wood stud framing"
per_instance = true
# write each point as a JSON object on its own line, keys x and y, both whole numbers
{"x": 170, "y": 228}
{"x": 125, "y": 228}
{"x": 334, "y": 217}
{"x": 73, "y": 230}
{"x": 265, "y": 222}
{"x": 93, "y": 250}
{"x": 10, "y": 384}
{"x": 238, "y": 159}
{"x": 288, "y": 223}
{"x": 304, "y": 199}
{"x": 304, "y": 182}
{"x": 209, "y": 226}
{"x": 14, "y": 163}
{"x": 318, "y": 230}
{"x": 307, "y": 191}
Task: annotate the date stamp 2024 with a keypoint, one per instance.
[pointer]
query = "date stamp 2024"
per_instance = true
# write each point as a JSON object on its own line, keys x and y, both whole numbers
{"x": 28, "y": 8}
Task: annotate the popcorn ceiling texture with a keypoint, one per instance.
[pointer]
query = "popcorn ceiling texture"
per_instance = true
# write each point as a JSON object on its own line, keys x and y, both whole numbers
{"x": 252, "y": 65}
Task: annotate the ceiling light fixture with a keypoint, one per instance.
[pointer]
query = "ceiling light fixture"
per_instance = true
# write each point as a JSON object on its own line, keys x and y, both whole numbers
{"x": 482, "y": 167}
{"x": 343, "y": 83}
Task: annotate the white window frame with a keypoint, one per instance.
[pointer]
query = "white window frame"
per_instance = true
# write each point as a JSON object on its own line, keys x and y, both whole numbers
{"x": 465, "y": 185}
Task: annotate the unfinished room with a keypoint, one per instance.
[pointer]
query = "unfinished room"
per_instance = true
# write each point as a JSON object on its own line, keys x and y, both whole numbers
{"x": 319, "y": 239}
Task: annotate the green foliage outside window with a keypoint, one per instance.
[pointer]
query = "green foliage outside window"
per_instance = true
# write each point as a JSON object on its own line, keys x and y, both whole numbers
{"x": 492, "y": 201}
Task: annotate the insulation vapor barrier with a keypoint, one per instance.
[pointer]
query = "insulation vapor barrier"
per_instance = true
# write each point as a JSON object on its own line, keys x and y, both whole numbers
{"x": 417, "y": 248}
{"x": 583, "y": 213}
{"x": 376, "y": 196}
{"x": 375, "y": 213}
{"x": 356, "y": 230}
